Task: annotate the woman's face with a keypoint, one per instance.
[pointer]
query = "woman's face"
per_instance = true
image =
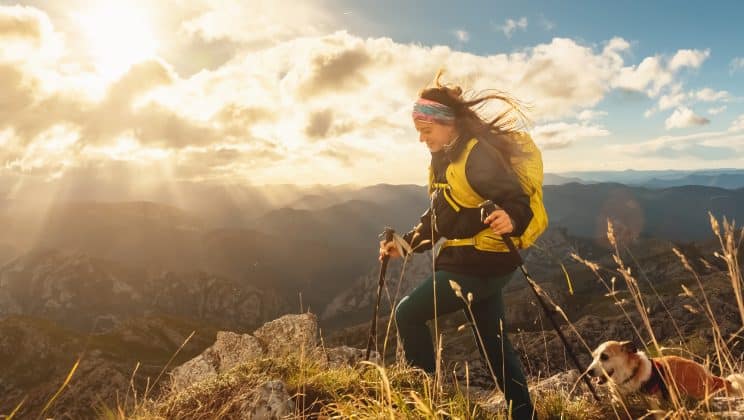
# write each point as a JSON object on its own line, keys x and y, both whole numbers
{"x": 435, "y": 135}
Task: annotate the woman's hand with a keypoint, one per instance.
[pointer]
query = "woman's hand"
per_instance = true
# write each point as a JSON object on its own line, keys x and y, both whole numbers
{"x": 388, "y": 249}
{"x": 500, "y": 222}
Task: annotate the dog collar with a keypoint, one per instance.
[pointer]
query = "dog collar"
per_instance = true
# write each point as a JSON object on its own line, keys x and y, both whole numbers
{"x": 656, "y": 382}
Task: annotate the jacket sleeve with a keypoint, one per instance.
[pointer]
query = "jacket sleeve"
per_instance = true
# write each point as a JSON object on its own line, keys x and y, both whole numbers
{"x": 490, "y": 177}
{"x": 420, "y": 233}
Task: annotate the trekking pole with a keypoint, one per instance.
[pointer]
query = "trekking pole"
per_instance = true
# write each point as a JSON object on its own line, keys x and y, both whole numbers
{"x": 488, "y": 207}
{"x": 387, "y": 234}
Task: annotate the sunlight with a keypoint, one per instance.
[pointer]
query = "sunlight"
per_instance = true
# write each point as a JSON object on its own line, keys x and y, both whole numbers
{"x": 128, "y": 148}
{"x": 118, "y": 35}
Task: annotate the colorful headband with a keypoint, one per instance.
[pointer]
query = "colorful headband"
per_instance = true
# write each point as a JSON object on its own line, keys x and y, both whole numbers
{"x": 432, "y": 111}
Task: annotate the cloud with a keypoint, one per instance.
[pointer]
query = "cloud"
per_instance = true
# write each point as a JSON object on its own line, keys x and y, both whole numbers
{"x": 684, "y": 117}
{"x": 672, "y": 100}
{"x": 260, "y": 24}
{"x": 223, "y": 161}
{"x": 254, "y": 104}
{"x": 677, "y": 97}
{"x": 462, "y": 35}
{"x": 511, "y": 25}
{"x": 716, "y": 111}
{"x": 737, "y": 124}
{"x": 724, "y": 147}
{"x": 344, "y": 158}
{"x": 737, "y": 64}
{"x": 336, "y": 69}
{"x": 655, "y": 73}
{"x": 590, "y": 114}
{"x": 710, "y": 95}
{"x": 549, "y": 75}
{"x": 320, "y": 123}
{"x": 141, "y": 78}
{"x": 688, "y": 58}
{"x": 27, "y": 34}
{"x": 649, "y": 76}
{"x": 22, "y": 22}
{"x": 561, "y": 134}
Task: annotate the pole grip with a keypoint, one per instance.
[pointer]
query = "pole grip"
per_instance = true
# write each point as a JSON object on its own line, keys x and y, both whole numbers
{"x": 487, "y": 207}
{"x": 387, "y": 234}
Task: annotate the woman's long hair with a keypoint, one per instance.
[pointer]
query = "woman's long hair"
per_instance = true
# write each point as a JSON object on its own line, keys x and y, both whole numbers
{"x": 469, "y": 123}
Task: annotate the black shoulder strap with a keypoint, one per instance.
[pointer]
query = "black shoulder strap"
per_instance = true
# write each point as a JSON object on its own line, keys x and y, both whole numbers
{"x": 494, "y": 152}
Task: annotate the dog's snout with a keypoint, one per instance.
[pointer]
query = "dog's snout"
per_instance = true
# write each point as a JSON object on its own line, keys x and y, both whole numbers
{"x": 593, "y": 370}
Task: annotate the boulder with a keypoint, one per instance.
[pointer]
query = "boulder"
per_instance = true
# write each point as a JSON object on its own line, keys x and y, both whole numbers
{"x": 269, "y": 401}
{"x": 228, "y": 351}
{"x": 290, "y": 335}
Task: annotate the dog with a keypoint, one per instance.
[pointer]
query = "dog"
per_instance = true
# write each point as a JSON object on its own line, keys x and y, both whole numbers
{"x": 631, "y": 371}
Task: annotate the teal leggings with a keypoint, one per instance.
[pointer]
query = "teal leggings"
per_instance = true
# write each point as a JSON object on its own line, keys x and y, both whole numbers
{"x": 417, "y": 308}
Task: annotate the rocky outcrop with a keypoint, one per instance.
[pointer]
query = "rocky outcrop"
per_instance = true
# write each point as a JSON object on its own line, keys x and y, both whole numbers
{"x": 290, "y": 335}
{"x": 228, "y": 351}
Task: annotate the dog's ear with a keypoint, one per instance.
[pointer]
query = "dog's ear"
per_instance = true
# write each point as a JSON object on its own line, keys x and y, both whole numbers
{"x": 628, "y": 347}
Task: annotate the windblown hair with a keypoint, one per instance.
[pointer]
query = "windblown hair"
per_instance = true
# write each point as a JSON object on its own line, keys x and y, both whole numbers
{"x": 470, "y": 123}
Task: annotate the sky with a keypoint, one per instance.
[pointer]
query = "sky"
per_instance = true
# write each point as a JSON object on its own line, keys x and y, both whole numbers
{"x": 320, "y": 91}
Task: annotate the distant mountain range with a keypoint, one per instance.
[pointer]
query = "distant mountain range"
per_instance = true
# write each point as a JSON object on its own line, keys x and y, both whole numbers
{"x": 308, "y": 250}
{"x": 678, "y": 213}
{"x": 722, "y": 178}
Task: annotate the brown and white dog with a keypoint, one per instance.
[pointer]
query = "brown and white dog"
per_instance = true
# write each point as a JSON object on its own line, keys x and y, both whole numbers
{"x": 630, "y": 371}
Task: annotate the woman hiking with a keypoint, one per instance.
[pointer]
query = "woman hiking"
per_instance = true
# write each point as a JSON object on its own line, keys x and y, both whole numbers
{"x": 463, "y": 172}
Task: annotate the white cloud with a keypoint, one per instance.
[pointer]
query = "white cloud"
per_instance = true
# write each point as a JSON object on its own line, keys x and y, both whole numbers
{"x": 716, "y": 111}
{"x": 262, "y": 22}
{"x": 688, "y": 58}
{"x": 675, "y": 98}
{"x": 27, "y": 36}
{"x": 671, "y": 100}
{"x": 655, "y": 73}
{"x": 696, "y": 150}
{"x": 561, "y": 134}
{"x": 590, "y": 114}
{"x": 462, "y": 35}
{"x": 649, "y": 76}
{"x": 511, "y": 25}
{"x": 737, "y": 124}
{"x": 684, "y": 117}
{"x": 710, "y": 95}
{"x": 737, "y": 64}
{"x": 617, "y": 44}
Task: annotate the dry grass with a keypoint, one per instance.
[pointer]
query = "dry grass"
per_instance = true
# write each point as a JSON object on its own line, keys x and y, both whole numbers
{"x": 399, "y": 392}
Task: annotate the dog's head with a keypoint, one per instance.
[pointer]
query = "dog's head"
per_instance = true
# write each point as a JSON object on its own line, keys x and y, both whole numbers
{"x": 610, "y": 359}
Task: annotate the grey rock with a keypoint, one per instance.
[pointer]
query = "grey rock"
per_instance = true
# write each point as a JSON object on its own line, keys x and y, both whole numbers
{"x": 290, "y": 335}
{"x": 228, "y": 351}
{"x": 345, "y": 356}
{"x": 269, "y": 401}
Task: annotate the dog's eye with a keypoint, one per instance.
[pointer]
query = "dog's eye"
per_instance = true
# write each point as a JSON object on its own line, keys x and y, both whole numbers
{"x": 603, "y": 356}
